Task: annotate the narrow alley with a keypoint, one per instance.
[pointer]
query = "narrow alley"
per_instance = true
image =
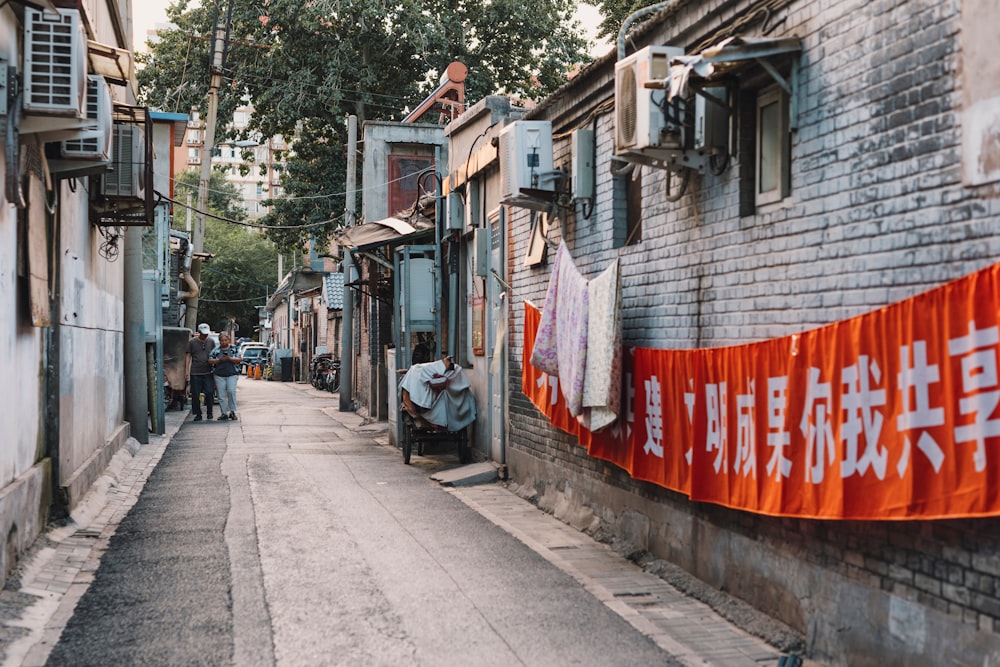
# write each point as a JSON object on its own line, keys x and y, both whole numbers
{"x": 296, "y": 536}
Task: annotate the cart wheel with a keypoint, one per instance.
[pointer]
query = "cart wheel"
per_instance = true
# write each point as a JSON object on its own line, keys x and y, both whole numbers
{"x": 407, "y": 449}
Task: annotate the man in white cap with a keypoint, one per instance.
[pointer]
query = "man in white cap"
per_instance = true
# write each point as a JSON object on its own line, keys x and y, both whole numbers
{"x": 199, "y": 372}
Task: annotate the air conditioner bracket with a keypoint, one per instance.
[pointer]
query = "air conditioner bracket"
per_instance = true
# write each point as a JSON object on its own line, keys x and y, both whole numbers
{"x": 676, "y": 160}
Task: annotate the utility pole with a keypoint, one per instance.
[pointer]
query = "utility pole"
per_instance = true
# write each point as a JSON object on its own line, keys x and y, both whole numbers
{"x": 198, "y": 239}
{"x": 347, "y": 314}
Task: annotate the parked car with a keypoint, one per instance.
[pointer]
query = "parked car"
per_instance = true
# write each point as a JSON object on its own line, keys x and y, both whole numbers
{"x": 244, "y": 346}
{"x": 252, "y": 356}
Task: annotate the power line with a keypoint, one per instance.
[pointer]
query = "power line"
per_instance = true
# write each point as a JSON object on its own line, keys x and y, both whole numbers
{"x": 244, "y": 223}
{"x": 258, "y": 298}
{"x": 377, "y": 186}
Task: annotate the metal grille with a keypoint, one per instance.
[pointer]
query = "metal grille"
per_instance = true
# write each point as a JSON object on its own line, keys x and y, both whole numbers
{"x": 124, "y": 179}
{"x": 89, "y": 144}
{"x": 54, "y": 64}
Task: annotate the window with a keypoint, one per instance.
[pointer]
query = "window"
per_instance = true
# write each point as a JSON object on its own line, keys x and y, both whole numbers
{"x": 627, "y": 206}
{"x": 772, "y": 156}
{"x": 194, "y": 155}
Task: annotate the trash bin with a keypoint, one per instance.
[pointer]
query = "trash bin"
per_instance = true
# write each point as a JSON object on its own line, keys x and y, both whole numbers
{"x": 286, "y": 369}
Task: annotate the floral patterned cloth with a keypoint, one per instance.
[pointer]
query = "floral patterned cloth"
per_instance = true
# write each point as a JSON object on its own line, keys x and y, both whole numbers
{"x": 603, "y": 379}
{"x": 561, "y": 343}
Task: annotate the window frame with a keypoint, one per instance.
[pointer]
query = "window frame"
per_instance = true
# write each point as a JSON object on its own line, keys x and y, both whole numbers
{"x": 627, "y": 206}
{"x": 773, "y": 94}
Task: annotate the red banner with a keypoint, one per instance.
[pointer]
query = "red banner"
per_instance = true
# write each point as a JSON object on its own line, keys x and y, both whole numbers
{"x": 890, "y": 415}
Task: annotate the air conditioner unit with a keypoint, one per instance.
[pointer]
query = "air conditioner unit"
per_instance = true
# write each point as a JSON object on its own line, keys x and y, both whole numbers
{"x": 89, "y": 152}
{"x": 55, "y": 71}
{"x": 126, "y": 179}
{"x": 527, "y": 178}
{"x": 641, "y": 129}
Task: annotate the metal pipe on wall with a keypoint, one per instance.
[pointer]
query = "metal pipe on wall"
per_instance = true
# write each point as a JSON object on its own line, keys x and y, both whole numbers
{"x": 136, "y": 383}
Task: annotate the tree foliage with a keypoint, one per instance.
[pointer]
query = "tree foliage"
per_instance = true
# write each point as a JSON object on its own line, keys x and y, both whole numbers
{"x": 614, "y": 13}
{"x": 223, "y": 196}
{"x": 244, "y": 270}
{"x": 306, "y": 65}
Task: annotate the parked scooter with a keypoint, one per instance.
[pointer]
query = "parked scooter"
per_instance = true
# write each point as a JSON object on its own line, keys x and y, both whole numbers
{"x": 319, "y": 370}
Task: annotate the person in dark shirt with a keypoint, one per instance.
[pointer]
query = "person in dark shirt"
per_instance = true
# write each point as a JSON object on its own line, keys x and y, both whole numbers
{"x": 225, "y": 361}
{"x": 199, "y": 371}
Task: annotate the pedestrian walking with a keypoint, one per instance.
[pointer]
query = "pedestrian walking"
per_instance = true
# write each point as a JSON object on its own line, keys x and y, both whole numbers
{"x": 224, "y": 362}
{"x": 199, "y": 371}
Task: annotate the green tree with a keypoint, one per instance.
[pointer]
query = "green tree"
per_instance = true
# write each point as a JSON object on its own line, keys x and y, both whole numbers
{"x": 306, "y": 65}
{"x": 223, "y": 196}
{"x": 614, "y": 13}
{"x": 239, "y": 278}
{"x": 244, "y": 269}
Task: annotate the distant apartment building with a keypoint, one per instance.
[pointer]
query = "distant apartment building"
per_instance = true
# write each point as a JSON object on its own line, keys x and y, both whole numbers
{"x": 251, "y": 165}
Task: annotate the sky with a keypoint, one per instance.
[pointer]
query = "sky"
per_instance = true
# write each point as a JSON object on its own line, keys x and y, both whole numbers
{"x": 147, "y": 13}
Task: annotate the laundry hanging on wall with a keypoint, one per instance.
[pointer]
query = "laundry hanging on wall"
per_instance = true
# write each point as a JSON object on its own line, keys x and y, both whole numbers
{"x": 579, "y": 340}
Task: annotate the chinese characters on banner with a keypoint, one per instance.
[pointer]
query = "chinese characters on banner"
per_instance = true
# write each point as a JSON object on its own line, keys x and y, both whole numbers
{"x": 890, "y": 415}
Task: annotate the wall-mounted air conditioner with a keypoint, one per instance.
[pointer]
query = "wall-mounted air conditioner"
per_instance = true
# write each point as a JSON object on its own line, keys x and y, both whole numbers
{"x": 641, "y": 127}
{"x": 527, "y": 178}
{"x": 126, "y": 179}
{"x": 94, "y": 141}
{"x": 55, "y": 71}
{"x": 89, "y": 151}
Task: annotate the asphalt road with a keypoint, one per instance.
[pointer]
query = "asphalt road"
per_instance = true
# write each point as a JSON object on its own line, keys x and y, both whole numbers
{"x": 289, "y": 538}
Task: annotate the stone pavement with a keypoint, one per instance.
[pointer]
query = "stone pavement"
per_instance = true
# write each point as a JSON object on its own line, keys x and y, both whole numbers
{"x": 59, "y": 571}
{"x": 686, "y": 628}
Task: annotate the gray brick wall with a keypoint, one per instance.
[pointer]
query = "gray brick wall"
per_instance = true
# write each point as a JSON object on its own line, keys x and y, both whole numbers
{"x": 878, "y": 213}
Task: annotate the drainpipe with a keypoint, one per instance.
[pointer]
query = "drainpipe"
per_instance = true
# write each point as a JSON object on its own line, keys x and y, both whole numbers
{"x": 59, "y": 503}
{"x": 193, "y": 289}
{"x": 453, "y": 268}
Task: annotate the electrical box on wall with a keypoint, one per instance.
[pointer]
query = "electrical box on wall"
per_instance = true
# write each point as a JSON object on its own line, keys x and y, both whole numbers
{"x": 481, "y": 239}
{"x": 473, "y": 204}
{"x": 582, "y": 163}
{"x": 456, "y": 212}
{"x": 711, "y": 120}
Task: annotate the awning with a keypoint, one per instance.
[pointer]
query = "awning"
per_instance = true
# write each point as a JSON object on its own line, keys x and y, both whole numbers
{"x": 114, "y": 64}
{"x": 728, "y": 58}
{"x": 380, "y": 232}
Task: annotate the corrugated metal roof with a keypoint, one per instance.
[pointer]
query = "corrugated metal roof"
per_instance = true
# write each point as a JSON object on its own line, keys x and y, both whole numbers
{"x": 333, "y": 291}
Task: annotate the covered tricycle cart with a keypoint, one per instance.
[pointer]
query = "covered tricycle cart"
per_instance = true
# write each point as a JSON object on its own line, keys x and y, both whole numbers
{"x": 437, "y": 406}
